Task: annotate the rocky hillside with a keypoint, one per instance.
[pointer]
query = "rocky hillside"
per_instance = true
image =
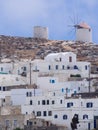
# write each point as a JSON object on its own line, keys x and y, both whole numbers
{"x": 20, "y": 47}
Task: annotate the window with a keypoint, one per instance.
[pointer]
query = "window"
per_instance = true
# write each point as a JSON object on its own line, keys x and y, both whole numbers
{"x": 17, "y": 79}
{"x": 85, "y": 116}
{"x": 39, "y": 113}
{"x": 75, "y": 67}
{"x": 63, "y": 67}
{"x": 24, "y": 68}
{"x": 27, "y": 94}
{"x": 61, "y": 101}
{"x": 49, "y": 67}
{"x": 69, "y": 104}
{"x": 68, "y": 67}
{"x": 52, "y": 81}
{"x": 3, "y": 100}
{"x": 78, "y": 88}
{"x": 89, "y": 104}
{"x": 43, "y": 102}
{"x": 30, "y": 123}
{"x": 85, "y": 67}
{"x": 27, "y": 122}
{"x": 15, "y": 123}
{"x": 3, "y": 88}
{"x": 60, "y": 59}
{"x": 70, "y": 59}
{"x": 64, "y": 117}
{"x": 30, "y": 94}
{"x": 1, "y": 68}
{"x": 33, "y": 112}
{"x": 31, "y": 102}
{"x": 54, "y": 94}
{"x": 47, "y": 102}
{"x": 53, "y": 102}
{"x": 38, "y": 102}
{"x": 55, "y": 116}
{"x": 56, "y": 67}
{"x": 7, "y": 123}
{"x": 35, "y": 122}
{"x": 49, "y": 113}
{"x": 26, "y": 113}
{"x": 44, "y": 113}
{"x": 62, "y": 90}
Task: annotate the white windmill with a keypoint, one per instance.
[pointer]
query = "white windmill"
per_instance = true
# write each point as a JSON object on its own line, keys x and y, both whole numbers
{"x": 83, "y": 32}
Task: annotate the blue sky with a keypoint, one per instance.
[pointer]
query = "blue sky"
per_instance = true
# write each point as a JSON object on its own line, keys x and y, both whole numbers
{"x": 18, "y": 17}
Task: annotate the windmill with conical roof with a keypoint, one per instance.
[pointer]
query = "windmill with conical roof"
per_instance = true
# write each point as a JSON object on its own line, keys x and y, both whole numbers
{"x": 83, "y": 32}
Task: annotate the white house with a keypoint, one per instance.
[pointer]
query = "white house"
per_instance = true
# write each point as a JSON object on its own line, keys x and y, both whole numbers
{"x": 60, "y": 110}
{"x": 57, "y": 69}
{"x": 7, "y": 80}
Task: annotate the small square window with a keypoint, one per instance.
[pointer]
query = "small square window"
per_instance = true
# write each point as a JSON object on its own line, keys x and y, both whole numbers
{"x": 55, "y": 116}
{"x": 70, "y": 59}
{"x": 64, "y": 117}
{"x": 53, "y": 102}
{"x": 56, "y": 67}
{"x": 44, "y": 113}
{"x": 69, "y": 104}
{"x": 53, "y": 81}
{"x": 89, "y": 105}
{"x": 1, "y": 68}
{"x": 38, "y": 102}
{"x": 31, "y": 102}
{"x": 63, "y": 67}
{"x": 49, "y": 113}
{"x": 43, "y": 102}
{"x": 24, "y": 68}
{"x": 47, "y": 102}
{"x": 49, "y": 67}
{"x": 26, "y": 113}
{"x": 34, "y": 122}
{"x": 39, "y": 113}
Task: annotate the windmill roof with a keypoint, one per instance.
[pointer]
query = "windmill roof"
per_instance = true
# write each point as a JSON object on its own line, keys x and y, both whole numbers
{"x": 84, "y": 25}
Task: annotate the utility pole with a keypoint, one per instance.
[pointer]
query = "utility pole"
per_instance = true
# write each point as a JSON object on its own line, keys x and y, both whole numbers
{"x": 30, "y": 73}
{"x": 0, "y": 51}
{"x": 89, "y": 86}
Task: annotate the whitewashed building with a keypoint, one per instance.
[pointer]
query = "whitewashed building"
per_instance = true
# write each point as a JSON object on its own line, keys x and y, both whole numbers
{"x": 57, "y": 77}
{"x": 60, "y": 110}
{"x": 11, "y": 80}
{"x": 6, "y": 68}
{"x": 60, "y": 70}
